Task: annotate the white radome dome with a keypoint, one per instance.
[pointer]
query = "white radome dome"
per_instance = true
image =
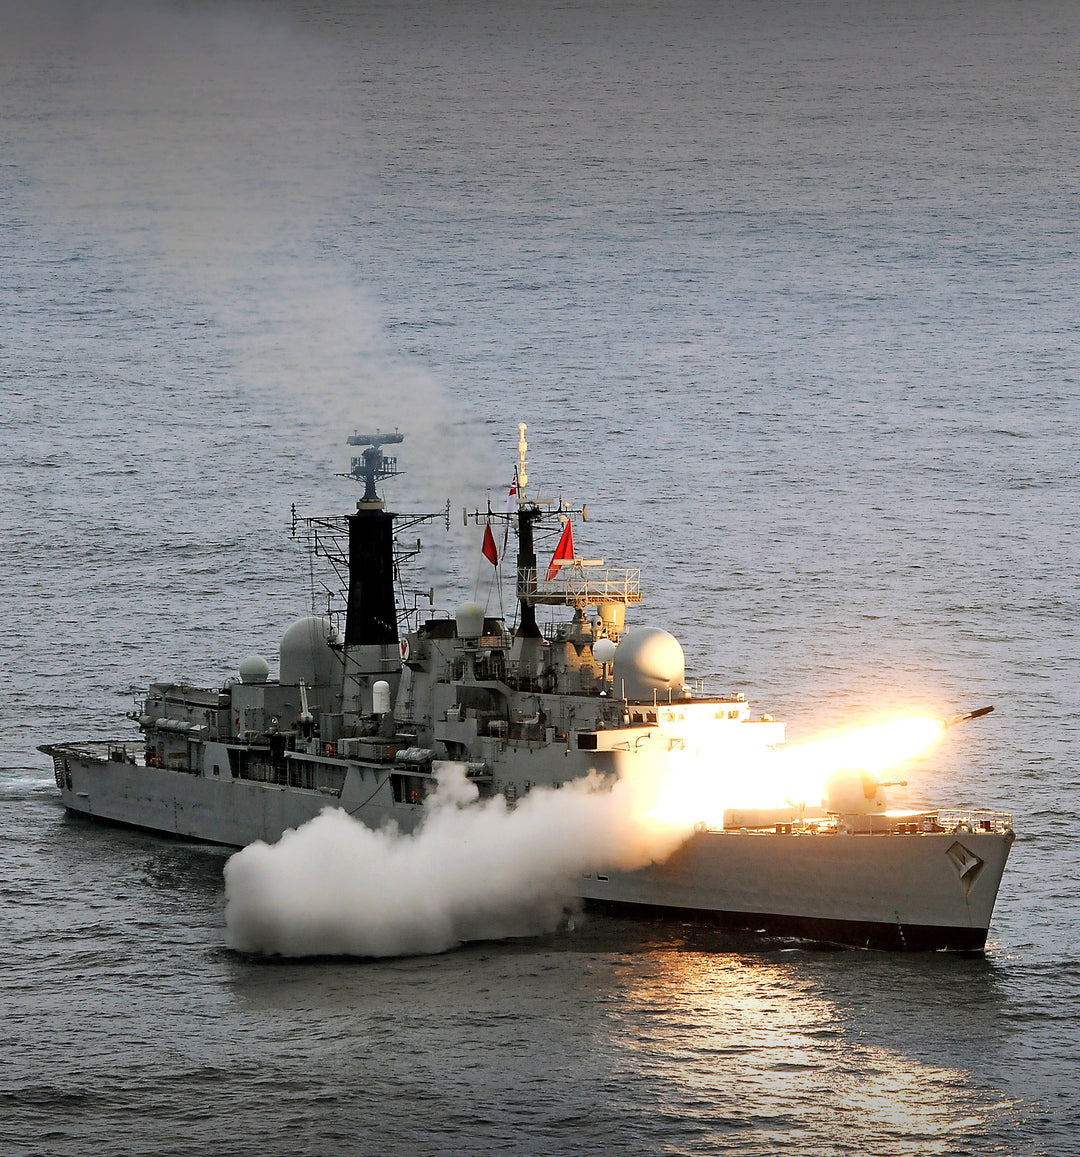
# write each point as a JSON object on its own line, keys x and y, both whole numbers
{"x": 649, "y": 662}
{"x": 470, "y": 621}
{"x": 254, "y": 669}
{"x": 603, "y": 650}
{"x": 306, "y": 653}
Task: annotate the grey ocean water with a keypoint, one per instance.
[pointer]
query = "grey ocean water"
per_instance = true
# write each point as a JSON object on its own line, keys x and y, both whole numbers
{"x": 786, "y": 293}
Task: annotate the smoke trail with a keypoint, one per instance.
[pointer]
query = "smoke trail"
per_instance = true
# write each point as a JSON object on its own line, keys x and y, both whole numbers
{"x": 473, "y": 870}
{"x": 224, "y": 153}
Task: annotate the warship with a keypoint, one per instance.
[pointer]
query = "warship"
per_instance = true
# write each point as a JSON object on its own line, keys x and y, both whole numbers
{"x": 370, "y": 704}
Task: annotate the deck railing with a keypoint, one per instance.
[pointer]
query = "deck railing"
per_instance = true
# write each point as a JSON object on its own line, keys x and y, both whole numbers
{"x": 581, "y": 586}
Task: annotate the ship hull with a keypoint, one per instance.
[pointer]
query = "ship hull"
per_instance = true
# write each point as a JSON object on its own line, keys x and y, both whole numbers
{"x": 911, "y": 892}
{"x": 841, "y": 933}
{"x": 225, "y": 811}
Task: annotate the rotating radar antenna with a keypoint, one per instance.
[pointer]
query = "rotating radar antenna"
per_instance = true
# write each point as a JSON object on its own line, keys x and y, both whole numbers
{"x": 372, "y": 465}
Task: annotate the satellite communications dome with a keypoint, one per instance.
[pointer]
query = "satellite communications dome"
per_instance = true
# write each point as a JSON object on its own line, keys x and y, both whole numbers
{"x": 254, "y": 669}
{"x": 649, "y": 663}
{"x": 603, "y": 650}
{"x": 306, "y": 653}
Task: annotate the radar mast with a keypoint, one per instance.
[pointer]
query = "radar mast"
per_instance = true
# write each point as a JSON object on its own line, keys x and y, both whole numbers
{"x": 372, "y": 465}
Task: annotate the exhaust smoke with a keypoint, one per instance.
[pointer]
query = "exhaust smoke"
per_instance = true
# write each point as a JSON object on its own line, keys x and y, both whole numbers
{"x": 473, "y": 870}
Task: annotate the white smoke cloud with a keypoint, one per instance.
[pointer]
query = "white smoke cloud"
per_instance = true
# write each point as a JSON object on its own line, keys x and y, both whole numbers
{"x": 473, "y": 870}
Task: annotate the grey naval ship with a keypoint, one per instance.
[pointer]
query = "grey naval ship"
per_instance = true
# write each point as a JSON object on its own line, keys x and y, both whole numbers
{"x": 369, "y": 704}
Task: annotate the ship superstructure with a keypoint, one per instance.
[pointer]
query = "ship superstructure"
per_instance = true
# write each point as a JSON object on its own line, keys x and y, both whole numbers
{"x": 364, "y": 713}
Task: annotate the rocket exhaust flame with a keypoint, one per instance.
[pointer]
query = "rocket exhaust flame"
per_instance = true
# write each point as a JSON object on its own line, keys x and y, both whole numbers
{"x": 703, "y": 785}
{"x": 869, "y": 748}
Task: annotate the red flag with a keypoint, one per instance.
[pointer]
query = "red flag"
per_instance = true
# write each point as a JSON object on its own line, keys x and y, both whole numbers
{"x": 565, "y": 550}
{"x": 491, "y": 551}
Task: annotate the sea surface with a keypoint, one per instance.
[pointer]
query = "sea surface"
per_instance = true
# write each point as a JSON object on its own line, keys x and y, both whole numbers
{"x": 787, "y": 293}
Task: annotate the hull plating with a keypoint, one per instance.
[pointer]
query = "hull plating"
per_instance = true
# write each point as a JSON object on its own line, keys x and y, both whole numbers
{"x": 902, "y": 892}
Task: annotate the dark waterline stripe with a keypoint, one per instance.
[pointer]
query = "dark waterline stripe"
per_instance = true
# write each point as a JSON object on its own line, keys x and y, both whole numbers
{"x": 845, "y": 933}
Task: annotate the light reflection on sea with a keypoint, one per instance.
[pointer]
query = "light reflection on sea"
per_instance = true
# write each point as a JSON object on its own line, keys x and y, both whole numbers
{"x": 757, "y": 1041}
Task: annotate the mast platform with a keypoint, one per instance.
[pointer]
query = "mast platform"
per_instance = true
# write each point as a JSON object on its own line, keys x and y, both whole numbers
{"x": 576, "y": 586}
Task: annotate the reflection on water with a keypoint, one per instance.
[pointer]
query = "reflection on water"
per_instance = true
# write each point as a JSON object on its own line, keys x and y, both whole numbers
{"x": 782, "y": 1065}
